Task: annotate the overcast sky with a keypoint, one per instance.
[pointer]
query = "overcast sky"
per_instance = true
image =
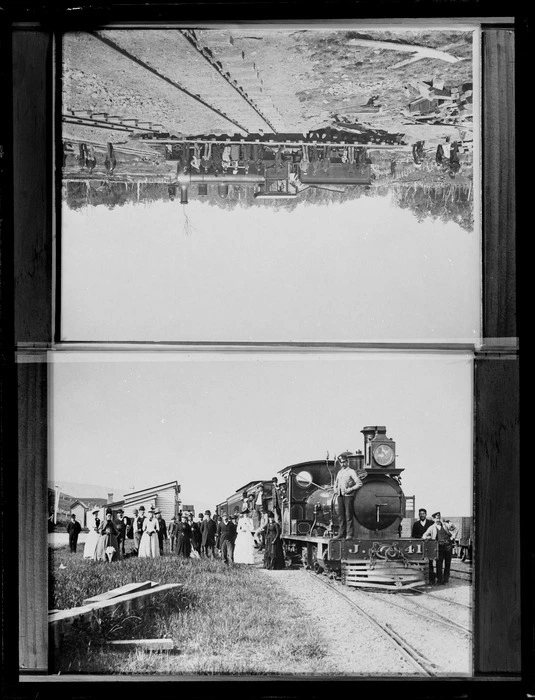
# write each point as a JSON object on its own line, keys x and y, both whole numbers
{"x": 358, "y": 271}
{"x": 214, "y": 422}
{"x": 363, "y": 270}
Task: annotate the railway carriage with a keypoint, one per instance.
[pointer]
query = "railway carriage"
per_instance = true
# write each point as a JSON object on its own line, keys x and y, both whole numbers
{"x": 233, "y": 504}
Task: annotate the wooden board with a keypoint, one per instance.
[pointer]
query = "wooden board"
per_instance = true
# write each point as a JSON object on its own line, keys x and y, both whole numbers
{"x": 116, "y": 592}
{"x": 144, "y": 644}
{"x": 123, "y": 600}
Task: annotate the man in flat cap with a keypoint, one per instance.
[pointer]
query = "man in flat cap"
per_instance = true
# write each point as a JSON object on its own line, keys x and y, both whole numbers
{"x": 346, "y": 484}
{"x": 442, "y": 534}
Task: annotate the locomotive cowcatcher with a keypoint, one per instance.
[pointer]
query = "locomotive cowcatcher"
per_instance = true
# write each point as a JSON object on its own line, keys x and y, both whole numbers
{"x": 376, "y": 556}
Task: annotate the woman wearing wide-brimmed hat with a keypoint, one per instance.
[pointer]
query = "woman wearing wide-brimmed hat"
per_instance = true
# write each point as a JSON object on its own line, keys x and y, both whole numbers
{"x": 107, "y": 548}
{"x": 91, "y": 541}
{"x": 183, "y": 537}
{"x": 149, "y": 547}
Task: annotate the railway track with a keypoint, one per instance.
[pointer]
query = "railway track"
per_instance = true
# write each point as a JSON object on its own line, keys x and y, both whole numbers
{"x": 235, "y": 102}
{"x": 417, "y": 593}
{"x": 175, "y": 84}
{"x": 207, "y": 53}
{"x": 429, "y": 615}
{"x": 415, "y": 658}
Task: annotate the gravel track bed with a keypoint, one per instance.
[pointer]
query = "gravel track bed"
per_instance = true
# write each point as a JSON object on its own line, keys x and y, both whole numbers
{"x": 429, "y": 606}
{"x": 172, "y": 55}
{"x": 300, "y": 80}
{"x": 96, "y": 77}
{"x": 356, "y": 647}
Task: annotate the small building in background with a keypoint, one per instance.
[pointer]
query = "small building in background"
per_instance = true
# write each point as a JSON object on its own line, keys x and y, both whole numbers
{"x": 163, "y": 497}
{"x": 83, "y": 509}
{"x": 188, "y": 509}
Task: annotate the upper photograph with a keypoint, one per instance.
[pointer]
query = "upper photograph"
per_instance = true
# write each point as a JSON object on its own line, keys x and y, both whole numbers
{"x": 261, "y": 184}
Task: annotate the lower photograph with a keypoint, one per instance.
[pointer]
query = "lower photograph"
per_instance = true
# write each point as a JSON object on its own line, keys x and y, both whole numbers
{"x": 261, "y": 514}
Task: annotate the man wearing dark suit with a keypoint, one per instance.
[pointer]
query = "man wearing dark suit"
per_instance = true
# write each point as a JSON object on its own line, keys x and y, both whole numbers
{"x": 208, "y": 533}
{"x": 139, "y": 518}
{"x": 226, "y": 536}
{"x": 275, "y": 499}
{"x": 418, "y": 528}
{"x": 121, "y": 530}
{"x": 73, "y": 528}
{"x": 172, "y": 533}
{"x": 162, "y": 532}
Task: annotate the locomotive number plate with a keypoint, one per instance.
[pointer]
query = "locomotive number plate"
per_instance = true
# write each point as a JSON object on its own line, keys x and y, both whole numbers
{"x": 390, "y": 550}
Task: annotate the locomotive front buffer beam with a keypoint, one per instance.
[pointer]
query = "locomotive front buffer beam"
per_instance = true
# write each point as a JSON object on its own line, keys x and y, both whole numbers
{"x": 394, "y": 564}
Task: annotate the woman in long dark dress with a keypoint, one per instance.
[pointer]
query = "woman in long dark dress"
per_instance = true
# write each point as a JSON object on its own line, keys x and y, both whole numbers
{"x": 107, "y": 548}
{"x": 196, "y": 536}
{"x": 274, "y": 555}
{"x": 183, "y": 538}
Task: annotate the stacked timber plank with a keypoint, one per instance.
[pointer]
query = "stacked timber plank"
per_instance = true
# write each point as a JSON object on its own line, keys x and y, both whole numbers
{"x": 126, "y": 598}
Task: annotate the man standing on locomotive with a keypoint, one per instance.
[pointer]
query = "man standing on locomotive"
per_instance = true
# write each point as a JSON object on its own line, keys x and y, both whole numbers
{"x": 346, "y": 484}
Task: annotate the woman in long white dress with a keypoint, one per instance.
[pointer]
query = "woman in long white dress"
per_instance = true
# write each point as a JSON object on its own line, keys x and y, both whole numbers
{"x": 149, "y": 546}
{"x": 92, "y": 537}
{"x": 244, "y": 545}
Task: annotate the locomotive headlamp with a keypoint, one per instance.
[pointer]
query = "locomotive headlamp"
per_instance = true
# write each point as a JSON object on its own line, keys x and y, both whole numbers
{"x": 304, "y": 479}
{"x": 383, "y": 455}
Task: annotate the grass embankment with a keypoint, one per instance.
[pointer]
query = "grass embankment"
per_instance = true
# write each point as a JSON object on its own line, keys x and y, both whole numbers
{"x": 225, "y": 620}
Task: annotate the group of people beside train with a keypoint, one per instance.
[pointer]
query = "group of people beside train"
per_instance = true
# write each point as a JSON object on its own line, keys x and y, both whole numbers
{"x": 106, "y": 539}
{"x": 445, "y": 534}
{"x": 256, "y": 158}
{"x": 233, "y": 538}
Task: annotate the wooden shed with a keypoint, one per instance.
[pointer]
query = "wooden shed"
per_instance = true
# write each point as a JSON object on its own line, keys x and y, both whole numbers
{"x": 165, "y": 497}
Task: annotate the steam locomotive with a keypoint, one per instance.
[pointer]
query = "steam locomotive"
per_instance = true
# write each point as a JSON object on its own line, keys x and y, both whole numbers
{"x": 377, "y": 556}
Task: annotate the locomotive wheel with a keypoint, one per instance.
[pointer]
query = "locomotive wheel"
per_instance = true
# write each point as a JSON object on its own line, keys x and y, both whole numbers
{"x": 317, "y": 568}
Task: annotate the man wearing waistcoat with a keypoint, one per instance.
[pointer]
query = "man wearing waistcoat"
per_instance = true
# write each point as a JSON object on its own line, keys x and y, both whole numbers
{"x": 439, "y": 532}
{"x": 226, "y": 536}
{"x": 346, "y": 484}
{"x": 418, "y": 528}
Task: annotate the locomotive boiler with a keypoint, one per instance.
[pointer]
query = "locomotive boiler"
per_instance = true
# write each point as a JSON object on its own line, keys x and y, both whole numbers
{"x": 376, "y": 556}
